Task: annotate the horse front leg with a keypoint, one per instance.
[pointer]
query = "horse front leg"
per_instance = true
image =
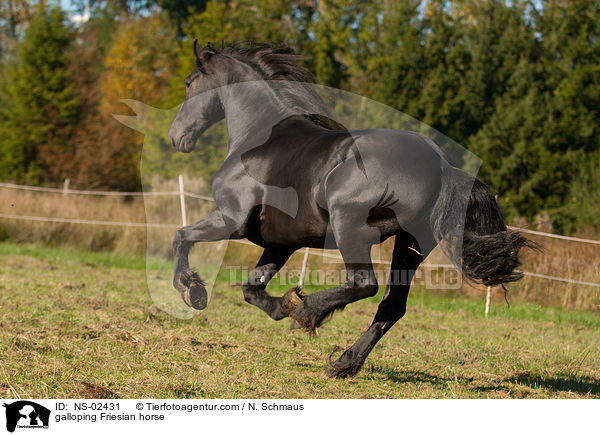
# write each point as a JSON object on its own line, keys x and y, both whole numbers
{"x": 186, "y": 281}
{"x": 254, "y": 288}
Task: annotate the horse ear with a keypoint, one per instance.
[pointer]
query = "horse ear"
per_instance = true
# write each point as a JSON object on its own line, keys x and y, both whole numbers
{"x": 197, "y": 49}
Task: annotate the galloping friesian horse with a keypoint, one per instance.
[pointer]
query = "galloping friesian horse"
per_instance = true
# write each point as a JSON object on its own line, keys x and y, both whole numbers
{"x": 294, "y": 177}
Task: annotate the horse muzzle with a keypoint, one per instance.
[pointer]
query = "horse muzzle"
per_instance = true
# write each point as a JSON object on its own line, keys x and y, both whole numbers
{"x": 184, "y": 143}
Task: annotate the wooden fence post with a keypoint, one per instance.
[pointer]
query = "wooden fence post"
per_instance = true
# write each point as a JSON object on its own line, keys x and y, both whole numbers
{"x": 182, "y": 200}
{"x": 304, "y": 264}
{"x": 487, "y": 301}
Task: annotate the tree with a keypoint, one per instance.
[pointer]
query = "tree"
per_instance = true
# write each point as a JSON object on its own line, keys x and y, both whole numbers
{"x": 498, "y": 38}
{"x": 542, "y": 124}
{"x": 394, "y": 73}
{"x": 445, "y": 61}
{"x": 180, "y": 10}
{"x": 41, "y": 105}
{"x": 14, "y": 14}
{"x": 138, "y": 66}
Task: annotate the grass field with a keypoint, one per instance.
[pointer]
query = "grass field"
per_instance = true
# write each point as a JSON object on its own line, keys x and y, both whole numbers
{"x": 81, "y": 324}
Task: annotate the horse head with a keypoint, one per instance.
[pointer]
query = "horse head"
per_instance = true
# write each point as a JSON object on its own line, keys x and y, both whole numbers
{"x": 201, "y": 107}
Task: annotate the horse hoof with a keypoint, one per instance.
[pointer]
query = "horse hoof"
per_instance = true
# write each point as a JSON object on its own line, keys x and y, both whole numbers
{"x": 338, "y": 370}
{"x": 195, "y": 297}
{"x": 291, "y": 300}
{"x": 192, "y": 290}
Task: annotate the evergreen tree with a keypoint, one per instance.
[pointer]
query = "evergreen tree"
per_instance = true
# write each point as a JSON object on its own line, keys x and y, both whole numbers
{"x": 395, "y": 71}
{"x": 442, "y": 100}
{"x": 498, "y": 37}
{"x": 40, "y": 102}
{"x": 543, "y": 122}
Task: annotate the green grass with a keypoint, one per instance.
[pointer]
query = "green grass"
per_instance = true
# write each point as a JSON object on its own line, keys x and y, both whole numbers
{"x": 68, "y": 256}
{"x": 82, "y": 324}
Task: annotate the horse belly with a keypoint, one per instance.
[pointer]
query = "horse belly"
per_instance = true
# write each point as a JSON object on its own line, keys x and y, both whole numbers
{"x": 307, "y": 228}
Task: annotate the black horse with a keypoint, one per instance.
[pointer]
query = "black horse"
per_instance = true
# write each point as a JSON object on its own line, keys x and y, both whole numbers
{"x": 294, "y": 177}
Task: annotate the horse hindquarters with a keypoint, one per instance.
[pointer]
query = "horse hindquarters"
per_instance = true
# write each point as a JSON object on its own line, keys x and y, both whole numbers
{"x": 367, "y": 202}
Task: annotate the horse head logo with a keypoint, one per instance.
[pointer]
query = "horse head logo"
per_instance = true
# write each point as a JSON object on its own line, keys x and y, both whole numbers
{"x": 25, "y": 413}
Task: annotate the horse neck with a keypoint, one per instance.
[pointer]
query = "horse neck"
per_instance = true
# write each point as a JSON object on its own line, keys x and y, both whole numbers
{"x": 252, "y": 109}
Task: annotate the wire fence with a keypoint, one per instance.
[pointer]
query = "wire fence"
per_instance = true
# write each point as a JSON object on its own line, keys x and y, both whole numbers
{"x": 182, "y": 193}
{"x": 208, "y": 198}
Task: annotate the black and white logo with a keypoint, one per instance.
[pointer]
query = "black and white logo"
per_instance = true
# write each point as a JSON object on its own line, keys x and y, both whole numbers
{"x": 26, "y": 414}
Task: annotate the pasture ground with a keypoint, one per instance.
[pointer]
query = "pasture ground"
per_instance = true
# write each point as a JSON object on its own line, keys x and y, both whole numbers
{"x": 82, "y": 325}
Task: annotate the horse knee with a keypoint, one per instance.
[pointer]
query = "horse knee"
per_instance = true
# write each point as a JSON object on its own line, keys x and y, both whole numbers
{"x": 365, "y": 289}
{"x": 362, "y": 290}
{"x": 178, "y": 241}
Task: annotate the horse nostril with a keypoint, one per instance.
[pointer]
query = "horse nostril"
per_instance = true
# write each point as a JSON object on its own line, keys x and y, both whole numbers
{"x": 173, "y": 141}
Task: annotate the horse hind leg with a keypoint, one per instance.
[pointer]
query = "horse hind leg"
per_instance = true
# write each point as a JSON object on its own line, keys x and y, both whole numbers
{"x": 361, "y": 282}
{"x": 405, "y": 261}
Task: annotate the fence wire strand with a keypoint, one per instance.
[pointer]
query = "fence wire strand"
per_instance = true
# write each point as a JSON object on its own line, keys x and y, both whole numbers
{"x": 245, "y": 242}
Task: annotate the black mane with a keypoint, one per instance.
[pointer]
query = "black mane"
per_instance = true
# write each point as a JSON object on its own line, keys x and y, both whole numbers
{"x": 276, "y": 61}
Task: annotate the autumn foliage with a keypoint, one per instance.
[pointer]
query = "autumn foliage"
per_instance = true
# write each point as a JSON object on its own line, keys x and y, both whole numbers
{"x": 517, "y": 83}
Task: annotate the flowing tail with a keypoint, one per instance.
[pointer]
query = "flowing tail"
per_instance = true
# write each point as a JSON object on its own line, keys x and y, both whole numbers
{"x": 490, "y": 251}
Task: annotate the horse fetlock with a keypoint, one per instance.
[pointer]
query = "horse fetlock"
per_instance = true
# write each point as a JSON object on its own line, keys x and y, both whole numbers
{"x": 310, "y": 317}
{"x": 251, "y": 292}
